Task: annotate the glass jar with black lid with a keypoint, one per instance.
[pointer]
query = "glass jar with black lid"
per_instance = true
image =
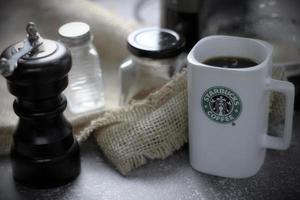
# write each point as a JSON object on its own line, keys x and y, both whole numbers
{"x": 156, "y": 56}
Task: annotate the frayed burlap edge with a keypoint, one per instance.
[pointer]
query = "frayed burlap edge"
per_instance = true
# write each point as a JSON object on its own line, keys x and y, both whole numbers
{"x": 138, "y": 115}
{"x": 277, "y": 100}
{"x": 5, "y": 140}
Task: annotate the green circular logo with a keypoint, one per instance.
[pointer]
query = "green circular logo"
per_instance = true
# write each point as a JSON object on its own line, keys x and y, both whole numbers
{"x": 221, "y": 104}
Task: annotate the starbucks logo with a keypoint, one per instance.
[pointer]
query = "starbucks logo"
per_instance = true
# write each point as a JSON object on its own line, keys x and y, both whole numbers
{"x": 221, "y": 104}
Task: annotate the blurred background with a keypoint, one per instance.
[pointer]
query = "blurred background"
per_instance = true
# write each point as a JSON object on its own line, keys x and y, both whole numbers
{"x": 111, "y": 21}
{"x": 276, "y": 21}
{"x": 134, "y": 10}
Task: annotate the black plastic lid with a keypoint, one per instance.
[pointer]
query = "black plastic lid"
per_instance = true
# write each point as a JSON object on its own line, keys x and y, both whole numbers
{"x": 155, "y": 43}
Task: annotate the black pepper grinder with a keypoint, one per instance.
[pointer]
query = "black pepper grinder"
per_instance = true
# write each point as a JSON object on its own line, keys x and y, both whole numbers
{"x": 44, "y": 152}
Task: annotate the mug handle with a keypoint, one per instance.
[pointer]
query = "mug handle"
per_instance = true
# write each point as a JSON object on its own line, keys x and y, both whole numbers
{"x": 288, "y": 89}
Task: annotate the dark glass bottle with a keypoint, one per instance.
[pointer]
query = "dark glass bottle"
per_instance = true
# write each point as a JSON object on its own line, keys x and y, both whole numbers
{"x": 183, "y": 17}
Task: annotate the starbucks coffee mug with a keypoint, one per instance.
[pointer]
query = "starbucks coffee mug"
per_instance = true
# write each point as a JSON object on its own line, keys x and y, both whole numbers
{"x": 228, "y": 108}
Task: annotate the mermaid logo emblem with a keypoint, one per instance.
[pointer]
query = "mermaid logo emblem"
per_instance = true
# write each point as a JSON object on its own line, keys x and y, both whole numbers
{"x": 221, "y": 104}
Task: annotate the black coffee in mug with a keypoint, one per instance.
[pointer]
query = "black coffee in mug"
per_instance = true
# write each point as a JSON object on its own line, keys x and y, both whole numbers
{"x": 230, "y": 62}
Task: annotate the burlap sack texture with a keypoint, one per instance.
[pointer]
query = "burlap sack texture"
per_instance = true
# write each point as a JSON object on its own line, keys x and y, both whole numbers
{"x": 150, "y": 129}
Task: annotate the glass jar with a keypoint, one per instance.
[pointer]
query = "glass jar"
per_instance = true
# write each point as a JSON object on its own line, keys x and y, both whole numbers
{"x": 85, "y": 90}
{"x": 156, "y": 56}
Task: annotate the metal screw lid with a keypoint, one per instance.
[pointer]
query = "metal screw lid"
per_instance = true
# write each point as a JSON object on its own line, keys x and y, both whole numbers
{"x": 75, "y": 33}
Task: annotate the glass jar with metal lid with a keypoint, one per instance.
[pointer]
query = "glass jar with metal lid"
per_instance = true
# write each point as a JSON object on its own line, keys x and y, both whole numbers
{"x": 85, "y": 92}
{"x": 156, "y": 55}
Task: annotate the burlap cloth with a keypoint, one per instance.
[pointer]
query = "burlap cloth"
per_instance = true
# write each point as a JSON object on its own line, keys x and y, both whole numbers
{"x": 150, "y": 129}
{"x": 129, "y": 136}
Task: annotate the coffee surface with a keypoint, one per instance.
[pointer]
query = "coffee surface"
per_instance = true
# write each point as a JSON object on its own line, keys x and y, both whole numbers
{"x": 230, "y": 62}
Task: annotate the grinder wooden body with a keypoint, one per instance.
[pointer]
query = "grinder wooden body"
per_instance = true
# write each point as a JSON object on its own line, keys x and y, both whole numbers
{"x": 44, "y": 151}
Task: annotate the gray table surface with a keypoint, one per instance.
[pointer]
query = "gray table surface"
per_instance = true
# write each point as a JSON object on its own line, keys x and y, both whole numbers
{"x": 172, "y": 179}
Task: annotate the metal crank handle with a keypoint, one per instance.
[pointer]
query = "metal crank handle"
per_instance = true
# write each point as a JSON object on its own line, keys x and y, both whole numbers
{"x": 7, "y": 66}
{"x": 31, "y": 43}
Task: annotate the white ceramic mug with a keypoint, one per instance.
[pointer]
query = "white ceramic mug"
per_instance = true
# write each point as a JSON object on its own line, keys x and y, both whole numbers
{"x": 233, "y": 143}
